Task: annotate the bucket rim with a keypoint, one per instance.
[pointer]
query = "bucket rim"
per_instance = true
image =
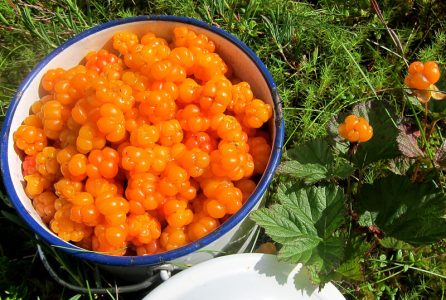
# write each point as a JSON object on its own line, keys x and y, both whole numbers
{"x": 105, "y": 259}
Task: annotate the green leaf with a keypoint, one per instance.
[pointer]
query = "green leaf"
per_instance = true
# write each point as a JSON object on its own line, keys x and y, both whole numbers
{"x": 310, "y": 173}
{"x": 350, "y": 270}
{"x": 313, "y": 161}
{"x": 393, "y": 243}
{"x": 298, "y": 250}
{"x": 304, "y": 222}
{"x": 316, "y": 151}
{"x": 282, "y": 225}
{"x": 367, "y": 219}
{"x": 322, "y": 206}
{"x": 342, "y": 169}
{"x": 383, "y": 143}
{"x": 308, "y": 161}
{"x": 413, "y": 213}
{"x": 330, "y": 252}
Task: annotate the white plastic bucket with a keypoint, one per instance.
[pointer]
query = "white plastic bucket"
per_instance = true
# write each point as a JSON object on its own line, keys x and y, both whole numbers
{"x": 234, "y": 234}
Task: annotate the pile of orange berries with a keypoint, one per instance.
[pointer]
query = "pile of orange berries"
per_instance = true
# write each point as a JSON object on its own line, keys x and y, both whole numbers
{"x": 143, "y": 149}
{"x": 355, "y": 129}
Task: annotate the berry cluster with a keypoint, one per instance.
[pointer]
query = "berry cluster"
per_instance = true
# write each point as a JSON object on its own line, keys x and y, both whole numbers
{"x": 422, "y": 76}
{"x": 421, "y": 80}
{"x": 145, "y": 148}
{"x": 355, "y": 129}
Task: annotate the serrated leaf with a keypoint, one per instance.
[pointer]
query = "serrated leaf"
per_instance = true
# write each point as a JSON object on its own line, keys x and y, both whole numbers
{"x": 349, "y": 270}
{"x": 304, "y": 221}
{"x": 440, "y": 157}
{"x": 393, "y": 243}
{"x": 342, "y": 169}
{"x": 400, "y": 165}
{"x": 356, "y": 247}
{"x": 413, "y": 213}
{"x": 298, "y": 251}
{"x": 281, "y": 225}
{"x": 316, "y": 151}
{"x": 331, "y": 252}
{"x": 407, "y": 142}
{"x": 383, "y": 143}
{"x": 310, "y": 173}
{"x": 323, "y": 206}
{"x": 367, "y": 219}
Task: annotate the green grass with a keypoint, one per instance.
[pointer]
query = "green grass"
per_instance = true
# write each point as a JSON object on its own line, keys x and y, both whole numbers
{"x": 325, "y": 56}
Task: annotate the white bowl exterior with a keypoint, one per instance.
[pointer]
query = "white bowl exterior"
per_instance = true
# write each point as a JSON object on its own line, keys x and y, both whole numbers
{"x": 243, "y": 67}
{"x": 244, "y": 276}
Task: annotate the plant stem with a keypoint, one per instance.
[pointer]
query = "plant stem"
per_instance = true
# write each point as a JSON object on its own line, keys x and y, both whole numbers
{"x": 426, "y": 139}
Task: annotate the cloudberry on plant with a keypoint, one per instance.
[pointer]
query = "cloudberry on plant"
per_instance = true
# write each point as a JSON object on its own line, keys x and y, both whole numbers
{"x": 421, "y": 76}
{"x": 355, "y": 129}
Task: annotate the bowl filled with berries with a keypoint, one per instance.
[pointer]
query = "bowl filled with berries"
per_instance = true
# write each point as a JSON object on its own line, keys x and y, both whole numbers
{"x": 143, "y": 141}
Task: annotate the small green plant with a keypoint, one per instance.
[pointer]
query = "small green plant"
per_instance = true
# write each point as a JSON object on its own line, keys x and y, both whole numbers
{"x": 332, "y": 212}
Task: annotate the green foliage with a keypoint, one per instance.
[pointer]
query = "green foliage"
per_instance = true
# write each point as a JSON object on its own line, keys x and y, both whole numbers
{"x": 304, "y": 222}
{"x": 413, "y": 213}
{"x": 313, "y": 162}
{"x": 395, "y": 213}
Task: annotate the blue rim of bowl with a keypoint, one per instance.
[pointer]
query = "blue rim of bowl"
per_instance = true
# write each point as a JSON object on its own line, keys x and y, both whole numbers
{"x": 169, "y": 255}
